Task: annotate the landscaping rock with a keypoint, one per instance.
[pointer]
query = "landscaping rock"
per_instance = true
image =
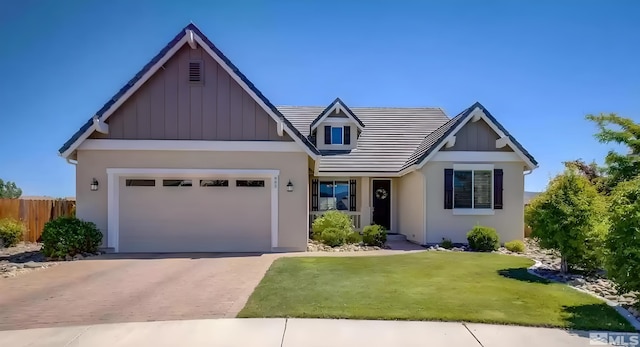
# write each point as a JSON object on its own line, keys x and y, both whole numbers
{"x": 315, "y": 246}
{"x": 68, "y": 258}
{"x": 78, "y": 257}
{"x": 32, "y": 265}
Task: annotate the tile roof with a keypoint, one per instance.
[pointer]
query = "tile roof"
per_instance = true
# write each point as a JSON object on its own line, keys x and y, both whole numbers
{"x": 390, "y": 137}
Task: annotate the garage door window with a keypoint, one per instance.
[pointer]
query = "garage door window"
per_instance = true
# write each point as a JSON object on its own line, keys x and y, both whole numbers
{"x": 176, "y": 183}
{"x": 249, "y": 183}
{"x": 140, "y": 183}
{"x": 214, "y": 183}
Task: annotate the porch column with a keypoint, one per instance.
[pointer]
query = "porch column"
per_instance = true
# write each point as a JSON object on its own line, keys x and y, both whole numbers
{"x": 365, "y": 202}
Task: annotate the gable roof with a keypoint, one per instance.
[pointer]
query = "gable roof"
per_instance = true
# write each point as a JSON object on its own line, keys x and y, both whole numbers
{"x": 336, "y": 105}
{"x": 438, "y": 138}
{"x": 188, "y": 33}
{"x": 390, "y": 137}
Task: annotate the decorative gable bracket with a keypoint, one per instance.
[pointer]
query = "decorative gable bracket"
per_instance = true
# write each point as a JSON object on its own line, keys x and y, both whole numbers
{"x": 191, "y": 39}
{"x": 100, "y": 126}
{"x": 501, "y": 142}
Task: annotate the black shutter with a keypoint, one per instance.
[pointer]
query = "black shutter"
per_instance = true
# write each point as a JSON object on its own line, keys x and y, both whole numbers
{"x": 448, "y": 189}
{"x": 352, "y": 195}
{"x": 347, "y": 135}
{"x": 327, "y": 135}
{"x": 314, "y": 194}
{"x": 497, "y": 189}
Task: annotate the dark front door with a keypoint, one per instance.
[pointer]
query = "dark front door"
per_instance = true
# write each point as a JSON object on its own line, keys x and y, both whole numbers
{"x": 382, "y": 202}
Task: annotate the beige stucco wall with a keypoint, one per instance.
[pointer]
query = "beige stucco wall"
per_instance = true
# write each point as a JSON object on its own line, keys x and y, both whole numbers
{"x": 411, "y": 210}
{"x": 292, "y": 209}
{"x": 508, "y": 222}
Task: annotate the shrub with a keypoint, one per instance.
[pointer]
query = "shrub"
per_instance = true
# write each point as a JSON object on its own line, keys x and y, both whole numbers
{"x": 353, "y": 237}
{"x": 570, "y": 217}
{"x": 11, "y": 232}
{"x": 332, "y": 219}
{"x": 69, "y": 235}
{"x": 446, "y": 243}
{"x": 623, "y": 260}
{"x": 483, "y": 239}
{"x": 374, "y": 235}
{"x": 333, "y": 237}
{"x": 515, "y": 246}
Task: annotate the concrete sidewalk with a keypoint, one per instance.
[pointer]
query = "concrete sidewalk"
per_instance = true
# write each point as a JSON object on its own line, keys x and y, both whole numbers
{"x": 280, "y": 332}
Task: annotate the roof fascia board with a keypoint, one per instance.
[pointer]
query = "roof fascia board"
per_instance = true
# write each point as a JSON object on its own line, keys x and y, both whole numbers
{"x": 253, "y": 95}
{"x": 126, "y": 95}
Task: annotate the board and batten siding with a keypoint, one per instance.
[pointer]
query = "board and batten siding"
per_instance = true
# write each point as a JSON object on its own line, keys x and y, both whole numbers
{"x": 169, "y": 107}
{"x": 477, "y": 136}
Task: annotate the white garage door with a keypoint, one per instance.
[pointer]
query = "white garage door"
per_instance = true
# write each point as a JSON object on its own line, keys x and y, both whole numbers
{"x": 208, "y": 214}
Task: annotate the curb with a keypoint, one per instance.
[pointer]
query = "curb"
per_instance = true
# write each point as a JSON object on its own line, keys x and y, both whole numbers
{"x": 621, "y": 310}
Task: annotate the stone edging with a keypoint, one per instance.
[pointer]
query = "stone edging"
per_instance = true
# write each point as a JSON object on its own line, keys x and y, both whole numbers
{"x": 621, "y": 310}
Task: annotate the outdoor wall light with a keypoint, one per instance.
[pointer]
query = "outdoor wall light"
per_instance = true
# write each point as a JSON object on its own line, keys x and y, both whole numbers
{"x": 289, "y": 186}
{"x": 94, "y": 185}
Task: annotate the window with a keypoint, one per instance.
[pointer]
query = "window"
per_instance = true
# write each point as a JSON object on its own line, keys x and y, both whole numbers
{"x": 249, "y": 183}
{"x": 336, "y": 135}
{"x": 334, "y": 195}
{"x": 214, "y": 183}
{"x": 176, "y": 183}
{"x": 472, "y": 189}
{"x": 140, "y": 183}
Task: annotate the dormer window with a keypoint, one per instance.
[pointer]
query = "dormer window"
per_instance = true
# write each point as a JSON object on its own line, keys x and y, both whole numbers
{"x": 337, "y": 135}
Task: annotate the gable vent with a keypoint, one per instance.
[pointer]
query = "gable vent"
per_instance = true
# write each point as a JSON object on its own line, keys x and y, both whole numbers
{"x": 195, "y": 71}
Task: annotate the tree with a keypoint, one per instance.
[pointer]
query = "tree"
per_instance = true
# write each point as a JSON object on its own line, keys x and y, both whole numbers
{"x": 570, "y": 217}
{"x": 591, "y": 171}
{"x": 9, "y": 190}
{"x": 622, "y": 131}
{"x": 623, "y": 261}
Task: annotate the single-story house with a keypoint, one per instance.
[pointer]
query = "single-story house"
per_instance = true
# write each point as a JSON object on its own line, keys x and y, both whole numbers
{"x": 189, "y": 156}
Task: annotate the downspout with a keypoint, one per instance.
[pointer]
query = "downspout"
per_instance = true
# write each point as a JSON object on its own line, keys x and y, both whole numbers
{"x": 72, "y": 162}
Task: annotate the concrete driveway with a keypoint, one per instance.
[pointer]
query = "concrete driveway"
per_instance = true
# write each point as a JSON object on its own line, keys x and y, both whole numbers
{"x": 121, "y": 288}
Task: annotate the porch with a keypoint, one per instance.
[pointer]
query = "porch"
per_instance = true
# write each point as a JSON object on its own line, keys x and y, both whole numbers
{"x": 355, "y": 197}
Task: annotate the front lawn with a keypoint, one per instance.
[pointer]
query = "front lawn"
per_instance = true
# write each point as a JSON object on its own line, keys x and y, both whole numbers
{"x": 448, "y": 286}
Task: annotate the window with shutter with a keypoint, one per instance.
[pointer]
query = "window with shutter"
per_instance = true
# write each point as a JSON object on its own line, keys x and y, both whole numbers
{"x": 314, "y": 194}
{"x": 448, "y": 189}
{"x": 472, "y": 187}
{"x": 347, "y": 135}
{"x": 352, "y": 195}
{"x": 327, "y": 135}
{"x": 497, "y": 189}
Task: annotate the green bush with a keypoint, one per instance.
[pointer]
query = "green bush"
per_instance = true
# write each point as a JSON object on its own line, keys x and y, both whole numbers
{"x": 483, "y": 239}
{"x": 353, "y": 237}
{"x": 331, "y": 219}
{"x": 69, "y": 235}
{"x": 515, "y": 246}
{"x": 446, "y": 243}
{"x": 333, "y": 237}
{"x": 11, "y": 232}
{"x": 623, "y": 260}
{"x": 571, "y": 217}
{"x": 374, "y": 235}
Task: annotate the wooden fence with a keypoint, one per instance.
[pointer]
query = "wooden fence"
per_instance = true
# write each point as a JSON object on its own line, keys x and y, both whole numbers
{"x": 35, "y": 213}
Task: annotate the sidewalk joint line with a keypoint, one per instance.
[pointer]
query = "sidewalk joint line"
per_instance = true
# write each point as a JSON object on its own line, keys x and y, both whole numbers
{"x": 474, "y": 336}
{"x": 284, "y": 331}
{"x": 77, "y": 336}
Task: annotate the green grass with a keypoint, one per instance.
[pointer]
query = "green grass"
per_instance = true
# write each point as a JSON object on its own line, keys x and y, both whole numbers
{"x": 471, "y": 287}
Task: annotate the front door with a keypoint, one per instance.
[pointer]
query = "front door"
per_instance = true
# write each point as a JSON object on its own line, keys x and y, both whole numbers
{"x": 382, "y": 202}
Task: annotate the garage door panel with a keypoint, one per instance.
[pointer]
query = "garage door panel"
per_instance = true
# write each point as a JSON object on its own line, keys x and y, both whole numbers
{"x": 194, "y": 219}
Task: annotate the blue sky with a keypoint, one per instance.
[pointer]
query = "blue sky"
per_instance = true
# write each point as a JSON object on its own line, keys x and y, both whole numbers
{"x": 538, "y": 66}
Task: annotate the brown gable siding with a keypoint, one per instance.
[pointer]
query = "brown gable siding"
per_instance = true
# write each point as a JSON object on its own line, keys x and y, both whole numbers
{"x": 169, "y": 107}
{"x": 477, "y": 136}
